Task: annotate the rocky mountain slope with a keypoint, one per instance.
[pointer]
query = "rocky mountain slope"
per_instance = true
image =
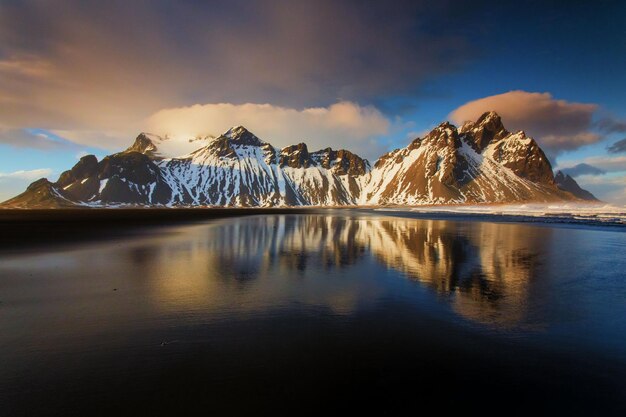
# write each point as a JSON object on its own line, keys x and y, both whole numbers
{"x": 480, "y": 162}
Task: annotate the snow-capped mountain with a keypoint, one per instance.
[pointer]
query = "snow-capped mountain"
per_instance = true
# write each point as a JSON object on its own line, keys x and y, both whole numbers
{"x": 480, "y": 162}
{"x": 239, "y": 169}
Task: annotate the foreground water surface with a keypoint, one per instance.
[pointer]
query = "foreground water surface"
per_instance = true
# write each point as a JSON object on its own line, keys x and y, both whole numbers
{"x": 336, "y": 311}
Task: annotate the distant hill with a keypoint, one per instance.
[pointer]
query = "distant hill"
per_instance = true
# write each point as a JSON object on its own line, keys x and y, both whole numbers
{"x": 567, "y": 183}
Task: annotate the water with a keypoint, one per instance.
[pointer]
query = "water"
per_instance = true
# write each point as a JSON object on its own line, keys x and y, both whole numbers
{"x": 318, "y": 313}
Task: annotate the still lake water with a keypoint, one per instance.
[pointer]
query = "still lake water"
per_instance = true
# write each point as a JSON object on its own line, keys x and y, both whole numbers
{"x": 337, "y": 311}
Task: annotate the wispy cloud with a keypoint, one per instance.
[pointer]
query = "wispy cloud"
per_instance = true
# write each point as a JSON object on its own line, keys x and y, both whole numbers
{"x": 29, "y": 138}
{"x": 606, "y": 163}
{"x": 582, "y": 169}
{"x": 611, "y": 125}
{"x": 31, "y": 175}
{"x": 617, "y": 147}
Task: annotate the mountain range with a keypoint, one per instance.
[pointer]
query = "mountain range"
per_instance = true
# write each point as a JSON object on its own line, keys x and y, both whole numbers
{"x": 478, "y": 162}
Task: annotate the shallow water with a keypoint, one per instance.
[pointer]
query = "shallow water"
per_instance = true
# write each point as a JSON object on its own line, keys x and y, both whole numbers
{"x": 297, "y": 312}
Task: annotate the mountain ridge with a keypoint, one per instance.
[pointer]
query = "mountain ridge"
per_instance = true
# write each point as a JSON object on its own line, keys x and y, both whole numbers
{"x": 479, "y": 162}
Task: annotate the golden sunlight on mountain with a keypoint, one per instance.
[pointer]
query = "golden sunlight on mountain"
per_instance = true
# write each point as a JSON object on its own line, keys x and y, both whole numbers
{"x": 483, "y": 268}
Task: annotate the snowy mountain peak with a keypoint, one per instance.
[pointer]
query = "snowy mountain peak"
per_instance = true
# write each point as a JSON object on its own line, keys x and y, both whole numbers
{"x": 488, "y": 129}
{"x": 490, "y": 117}
{"x": 479, "y": 163}
{"x": 446, "y": 126}
{"x": 296, "y": 156}
{"x": 445, "y": 130}
{"x": 242, "y": 136}
{"x": 163, "y": 147}
{"x": 144, "y": 144}
{"x": 340, "y": 162}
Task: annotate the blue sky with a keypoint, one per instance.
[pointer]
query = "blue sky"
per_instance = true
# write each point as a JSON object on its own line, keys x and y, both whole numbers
{"x": 89, "y": 76}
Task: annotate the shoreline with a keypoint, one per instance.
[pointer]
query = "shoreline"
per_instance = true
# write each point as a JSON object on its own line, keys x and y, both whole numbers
{"x": 545, "y": 221}
{"x": 24, "y": 229}
{"x": 39, "y": 228}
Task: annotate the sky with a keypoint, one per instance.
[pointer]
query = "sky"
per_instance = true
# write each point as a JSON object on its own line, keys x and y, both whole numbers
{"x": 86, "y": 77}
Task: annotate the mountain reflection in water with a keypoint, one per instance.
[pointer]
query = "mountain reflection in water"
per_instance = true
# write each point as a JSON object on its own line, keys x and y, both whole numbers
{"x": 483, "y": 269}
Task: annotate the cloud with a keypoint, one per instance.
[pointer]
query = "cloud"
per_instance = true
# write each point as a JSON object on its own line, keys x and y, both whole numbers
{"x": 582, "y": 169}
{"x": 23, "y": 138}
{"x": 107, "y": 140}
{"x": 557, "y": 125}
{"x": 617, "y": 147}
{"x": 341, "y": 125}
{"x": 611, "y": 125}
{"x": 605, "y": 163}
{"x": 105, "y": 66}
{"x": 26, "y": 175}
